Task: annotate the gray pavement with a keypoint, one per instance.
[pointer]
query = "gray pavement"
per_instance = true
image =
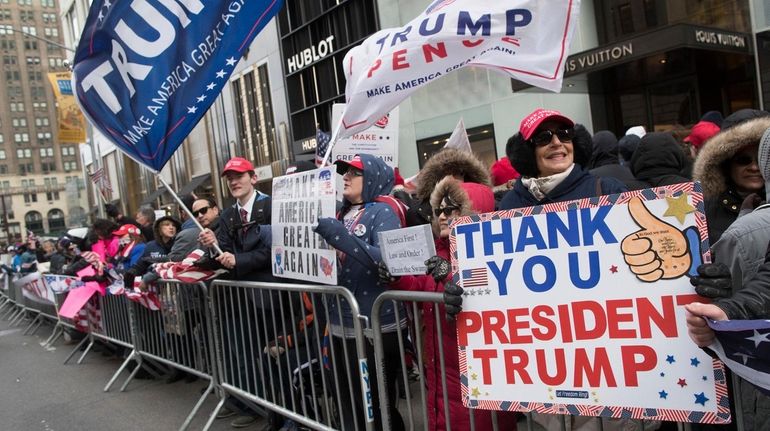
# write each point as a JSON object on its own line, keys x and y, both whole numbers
{"x": 38, "y": 392}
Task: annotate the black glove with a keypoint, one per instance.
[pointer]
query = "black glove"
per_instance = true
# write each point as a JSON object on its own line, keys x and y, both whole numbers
{"x": 453, "y": 299}
{"x": 713, "y": 281}
{"x": 384, "y": 274}
{"x": 438, "y": 267}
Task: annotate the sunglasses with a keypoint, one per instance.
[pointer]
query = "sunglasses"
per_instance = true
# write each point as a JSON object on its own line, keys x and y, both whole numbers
{"x": 744, "y": 159}
{"x": 354, "y": 172}
{"x": 447, "y": 211}
{"x": 544, "y": 138}
{"x": 201, "y": 211}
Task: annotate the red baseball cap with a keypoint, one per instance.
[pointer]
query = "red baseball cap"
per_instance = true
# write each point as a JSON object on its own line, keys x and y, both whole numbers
{"x": 531, "y": 122}
{"x": 701, "y": 132}
{"x": 238, "y": 164}
{"x": 127, "y": 229}
{"x": 342, "y": 165}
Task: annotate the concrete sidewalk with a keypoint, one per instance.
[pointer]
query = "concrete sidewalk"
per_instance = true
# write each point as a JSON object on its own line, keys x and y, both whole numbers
{"x": 38, "y": 392}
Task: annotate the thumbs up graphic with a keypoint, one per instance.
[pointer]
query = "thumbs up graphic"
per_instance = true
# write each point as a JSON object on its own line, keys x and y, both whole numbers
{"x": 656, "y": 251}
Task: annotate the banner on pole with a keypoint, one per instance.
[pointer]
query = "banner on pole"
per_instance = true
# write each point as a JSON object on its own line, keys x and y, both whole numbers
{"x": 299, "y": 200}
{"x": 578, "y": 308}
{"x": 146, "y": 73}
{"x": 71, "y": 123}
{"x": 525, "y": 39}
{"x": 380, "y": 140}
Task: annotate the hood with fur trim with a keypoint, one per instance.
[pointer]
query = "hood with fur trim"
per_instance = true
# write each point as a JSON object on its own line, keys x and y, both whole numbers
{"x": 472, "y": 198}
{"x": 450, "y": 161}
{"x": 709, "y": 169}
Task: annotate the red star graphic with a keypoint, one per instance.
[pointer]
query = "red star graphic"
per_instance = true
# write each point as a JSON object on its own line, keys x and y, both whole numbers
{"x": 682, "y": 382}
{"x": 614, "y": 269}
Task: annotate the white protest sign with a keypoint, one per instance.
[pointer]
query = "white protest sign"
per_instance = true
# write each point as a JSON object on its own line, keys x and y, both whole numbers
{"x": 578, "y": 308}
{"x": 380, "y": 140}
{"x": 34, "y": 288}
{"x": 525, "y": 39}
{"x": 405, "y": 251}
{"x": 299, "y": 200}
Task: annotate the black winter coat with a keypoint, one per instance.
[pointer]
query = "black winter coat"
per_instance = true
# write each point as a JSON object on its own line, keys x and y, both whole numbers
{"x": 659, "y": 161}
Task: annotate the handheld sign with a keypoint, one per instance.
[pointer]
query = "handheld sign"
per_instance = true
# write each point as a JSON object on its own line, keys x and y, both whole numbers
{"x": 578, "y": 308}
{"x": 405, "y": 251}
{"x": 299, "y": 200}
{"x": 380, "y": 140}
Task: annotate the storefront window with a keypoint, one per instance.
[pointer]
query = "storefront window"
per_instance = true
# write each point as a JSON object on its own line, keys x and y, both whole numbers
{"x": 482, "y": 141}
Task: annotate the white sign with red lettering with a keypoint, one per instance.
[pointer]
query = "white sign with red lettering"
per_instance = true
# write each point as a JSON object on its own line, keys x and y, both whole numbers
{"x": 380, "y": 140}
{"x": 578, "y": 308}
{"x": 525, "y": 39}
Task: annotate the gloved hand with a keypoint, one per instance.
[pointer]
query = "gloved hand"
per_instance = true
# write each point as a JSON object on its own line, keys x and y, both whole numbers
{"x": 713, "y": 281}
{"x": 438, "y": 267}
{"x": 329, "y": 227}
{"x": 384, "y": 274}
{"x": 275, "y": 348}
{"x": 453, "y": 299}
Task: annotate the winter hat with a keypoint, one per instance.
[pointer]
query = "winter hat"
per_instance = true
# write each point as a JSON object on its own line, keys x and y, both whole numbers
{"x": 742, "y": 115}
{"x": 713, "y": 117}
{"x": 763, "y": 156}
{"x": 502, "y": 172}
{"x": 701, "y": 132}
{"x": 637, "y": 130}
{"x": 627, "y": 145}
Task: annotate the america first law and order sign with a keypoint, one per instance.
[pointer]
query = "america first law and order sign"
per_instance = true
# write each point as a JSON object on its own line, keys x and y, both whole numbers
{"x": 578, "y": 308}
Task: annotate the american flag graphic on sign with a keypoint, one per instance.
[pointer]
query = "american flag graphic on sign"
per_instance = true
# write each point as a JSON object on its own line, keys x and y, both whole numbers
{"x": 475, "y": 277}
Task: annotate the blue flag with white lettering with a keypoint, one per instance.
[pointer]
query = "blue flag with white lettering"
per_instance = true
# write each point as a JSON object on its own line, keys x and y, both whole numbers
{"x": 146, "y": 71}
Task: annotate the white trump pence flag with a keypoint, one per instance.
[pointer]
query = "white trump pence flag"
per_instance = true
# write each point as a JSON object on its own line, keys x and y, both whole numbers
{"x": 524, "y": 39}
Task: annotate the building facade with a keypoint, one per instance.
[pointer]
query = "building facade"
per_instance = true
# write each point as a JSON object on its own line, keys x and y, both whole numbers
{"x": 40, "y": 178}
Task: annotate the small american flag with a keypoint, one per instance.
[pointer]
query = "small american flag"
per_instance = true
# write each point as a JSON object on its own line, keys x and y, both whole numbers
{"x": 475, "y": 277}
{"x": 100, "y": 180}
{"x": 744, "y": 346}
{"x": 186, "y": 271}
{"x": 322, "y": 140}
{"x": 148, "y": 299}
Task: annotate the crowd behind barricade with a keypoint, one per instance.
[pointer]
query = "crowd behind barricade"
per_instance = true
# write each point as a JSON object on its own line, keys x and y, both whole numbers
{"x": 549, "y": 159}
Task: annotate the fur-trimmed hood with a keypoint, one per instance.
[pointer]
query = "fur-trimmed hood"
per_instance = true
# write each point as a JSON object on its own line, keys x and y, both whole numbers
{"x": 522, "y": 153}
{"x": 472, "y": 198}
{"x": 709, "y": 165}
{"x": 450, "y": 161}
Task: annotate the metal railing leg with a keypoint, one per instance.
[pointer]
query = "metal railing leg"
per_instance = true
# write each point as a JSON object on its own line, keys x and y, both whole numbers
{"x": 76, "y": 349}
{"x": 88, "y": 349}
{"x": 197, "y": 407}
{"x": 214, "y": 414}
{"x": 120, "y": 370}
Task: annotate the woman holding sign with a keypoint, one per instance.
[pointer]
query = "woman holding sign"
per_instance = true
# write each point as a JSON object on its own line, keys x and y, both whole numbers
{"x": 354, "y": 234}
{"x": 550, "y": 152}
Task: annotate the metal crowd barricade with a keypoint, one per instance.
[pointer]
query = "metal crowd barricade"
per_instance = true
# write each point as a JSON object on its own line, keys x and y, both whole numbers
{"x": 4, "y": 298}
{"x": 16, "y": 295}
{"x": 177, "y": 335}
{"x": 39, "y": 300}
{"x": 419, "y": 419}
{"x": 62, "y": 323}
{"x": 289, "y": 379}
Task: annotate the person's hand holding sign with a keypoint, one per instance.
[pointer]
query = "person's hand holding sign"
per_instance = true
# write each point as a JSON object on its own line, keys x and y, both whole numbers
{"x": 658, "y": 250}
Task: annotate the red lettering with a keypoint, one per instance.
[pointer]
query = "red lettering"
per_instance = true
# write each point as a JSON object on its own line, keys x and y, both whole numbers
{"x": 564, "y": 323}
{"x": 542, "y": 367}
{"x": 631, "y": 367}
{"x": 601, "y": 366}
{"x": 429, "y": 50}
{"x": 494, "y": 321}
{"x": 614, "y": 318}
{"x": 399, "y": 60}
{"x": 690, "y": 298}
{"x": 540, "y": 314}
{"x": 468, "y": 322}
{"x": 374, "y": 67}
{"x": 472, "y": 43}
{"x": 647, "y": 312}
{"x": 600, "y": 321}
{"x": 518, "y": 366}
{"x": 486, "y": 355}
{"x": 514, "y": 326}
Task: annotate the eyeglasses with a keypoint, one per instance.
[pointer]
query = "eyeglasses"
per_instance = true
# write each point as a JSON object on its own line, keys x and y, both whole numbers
{"x": 744, "y": 159}
{"x": 201, "y": 211}
{"x": 544, "y": 138}
{"x": 448, "y": 210}
{"x": 354, "y": 172}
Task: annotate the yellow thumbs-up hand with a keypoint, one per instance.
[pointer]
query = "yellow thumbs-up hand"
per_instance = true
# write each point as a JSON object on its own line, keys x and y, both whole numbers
{"x": 656, "y": 251}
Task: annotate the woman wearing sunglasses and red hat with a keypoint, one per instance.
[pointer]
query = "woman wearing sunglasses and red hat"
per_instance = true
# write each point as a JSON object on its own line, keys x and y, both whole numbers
{"x": 549, "y": 152}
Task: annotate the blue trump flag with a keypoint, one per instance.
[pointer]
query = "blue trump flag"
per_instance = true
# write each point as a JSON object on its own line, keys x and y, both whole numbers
{"x": 147, "y": 70}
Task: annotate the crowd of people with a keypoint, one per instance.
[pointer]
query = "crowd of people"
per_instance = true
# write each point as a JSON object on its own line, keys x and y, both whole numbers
{"x": 549, "y": 159}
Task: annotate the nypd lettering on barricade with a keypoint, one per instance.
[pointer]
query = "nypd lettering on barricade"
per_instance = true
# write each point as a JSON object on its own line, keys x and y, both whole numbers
{"x": 525, "y": 39}
{"x": 147, "y": 70}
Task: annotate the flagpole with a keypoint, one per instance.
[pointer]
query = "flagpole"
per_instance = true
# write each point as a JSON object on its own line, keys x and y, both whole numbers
{"x": 331, "y": 144}
{"x": 184, "y": 208}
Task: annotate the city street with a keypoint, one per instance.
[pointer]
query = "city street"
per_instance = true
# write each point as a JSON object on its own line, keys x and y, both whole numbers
{"x": 38, "y": 392}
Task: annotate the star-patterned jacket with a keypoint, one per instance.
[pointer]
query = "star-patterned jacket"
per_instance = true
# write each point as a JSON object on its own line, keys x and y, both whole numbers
{"x": 359, "y": 246}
